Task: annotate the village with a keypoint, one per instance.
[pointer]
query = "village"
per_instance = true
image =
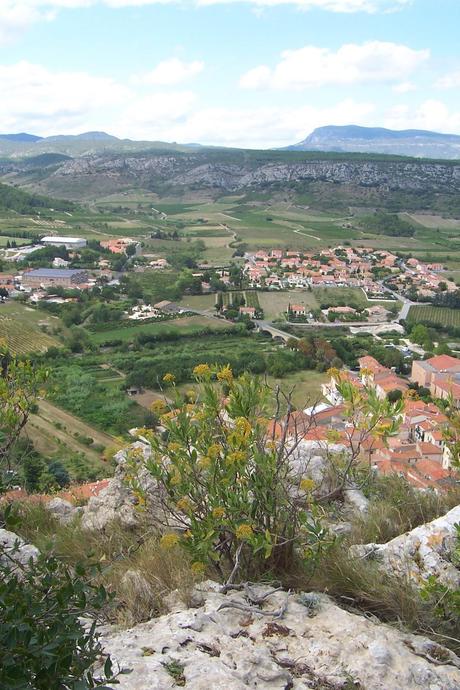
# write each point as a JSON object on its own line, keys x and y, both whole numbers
{"x": 424, "y": 450}
{"x": 380, "y": 274}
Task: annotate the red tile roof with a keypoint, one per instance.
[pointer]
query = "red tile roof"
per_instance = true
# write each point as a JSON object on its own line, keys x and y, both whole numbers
{"x": 443, "y": 362}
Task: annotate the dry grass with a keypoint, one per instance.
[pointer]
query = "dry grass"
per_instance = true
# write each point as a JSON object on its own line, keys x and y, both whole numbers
{"x": 133, "y": 566}
{"x": 396, "y": 507}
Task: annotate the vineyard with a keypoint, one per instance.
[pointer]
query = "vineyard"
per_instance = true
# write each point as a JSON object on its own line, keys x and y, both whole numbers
{"x": 435, "y": 315}
{"x": 22, "y": 338}
{"x": 248, "y": 298}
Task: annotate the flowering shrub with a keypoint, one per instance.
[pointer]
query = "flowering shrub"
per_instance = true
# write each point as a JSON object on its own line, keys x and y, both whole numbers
{"x": 227, "y": 484}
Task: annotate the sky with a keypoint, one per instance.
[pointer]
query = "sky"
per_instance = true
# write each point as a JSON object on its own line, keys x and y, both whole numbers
{"x": 248, "y": 73}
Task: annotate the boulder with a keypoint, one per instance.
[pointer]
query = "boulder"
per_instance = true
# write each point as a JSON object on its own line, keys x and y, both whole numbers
{"x": 62, "y": 510}
{"x": 289, "y": 641}
{"x": 424, "y": 551}
{"x": 13, "y": 548}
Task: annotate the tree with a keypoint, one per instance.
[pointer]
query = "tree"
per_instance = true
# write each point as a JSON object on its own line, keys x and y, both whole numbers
{"x": 20, "y": 384}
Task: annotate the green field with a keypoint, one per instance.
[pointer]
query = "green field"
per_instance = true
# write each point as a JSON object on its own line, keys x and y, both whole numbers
{"x": 436, "y": 315}
{"x": 186, "y": 326}
{"x": 24, "y": 328}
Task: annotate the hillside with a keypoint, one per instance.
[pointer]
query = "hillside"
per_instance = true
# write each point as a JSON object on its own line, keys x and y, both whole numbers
{"x": 12, "y": 199}
{"x": 326, "y": 180}
{"x": 409, "y": 142}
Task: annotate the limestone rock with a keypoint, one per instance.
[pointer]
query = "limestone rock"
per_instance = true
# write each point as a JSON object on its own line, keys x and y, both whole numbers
{"x": 16, "y": 549}
{"x": 117, "y": 501}
{"x": 62, "y": 510}
{"x": 230, "y": 649}
{"x": 420, "y": 553}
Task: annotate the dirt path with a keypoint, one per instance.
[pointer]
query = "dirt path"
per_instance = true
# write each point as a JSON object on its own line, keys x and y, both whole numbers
{"x": 50, "y": 413}
{"x": 48, "y": 429}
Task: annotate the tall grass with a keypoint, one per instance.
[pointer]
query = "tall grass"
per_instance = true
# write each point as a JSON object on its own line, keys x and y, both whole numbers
{"x": 133, "y": 565}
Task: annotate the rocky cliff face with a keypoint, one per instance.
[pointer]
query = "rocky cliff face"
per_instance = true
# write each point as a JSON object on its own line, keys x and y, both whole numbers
{"x": 287, "y": 641}
{"x": 197, "y": 170}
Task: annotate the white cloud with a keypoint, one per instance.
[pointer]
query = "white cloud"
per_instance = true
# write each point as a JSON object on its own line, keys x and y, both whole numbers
{"x": 373, "y": 61}
{"x": 18, "y": 15}
{"x": 431, "y": 114}
{"x": 257, "y": 127}
{"x": 404, "y": 87}
{"x": 171, "y": 72}
{"x": 39, "y": 100}
{"x": 449, "y": 81}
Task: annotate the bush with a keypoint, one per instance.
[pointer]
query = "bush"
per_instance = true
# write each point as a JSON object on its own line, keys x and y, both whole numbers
{"x": 43, "y": 643}
{"x": 227, "y": 485}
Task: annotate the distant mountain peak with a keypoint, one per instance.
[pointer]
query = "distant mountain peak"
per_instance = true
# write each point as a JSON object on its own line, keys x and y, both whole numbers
{"x": 21, "y": 136}
{"x": 355, "y": 138}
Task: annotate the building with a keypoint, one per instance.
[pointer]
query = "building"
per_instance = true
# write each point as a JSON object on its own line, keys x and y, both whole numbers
{"x": 51, "y": 277}
{"x": 297, "y": 310}
{"x": 67, "y": 242}
{"x": 440, "y": 374}
{"x": 248, "y": 311}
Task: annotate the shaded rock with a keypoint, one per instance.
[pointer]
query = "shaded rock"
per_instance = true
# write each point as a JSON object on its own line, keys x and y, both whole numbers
{"x": 13, "y": 548}
{"x": 424, "y": 551}
{"x": 62, "y": 510}
{"x": 225, "y": 648}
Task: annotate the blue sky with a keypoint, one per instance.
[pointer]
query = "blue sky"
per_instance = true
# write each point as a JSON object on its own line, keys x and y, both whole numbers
{"x": 254, "y": 73}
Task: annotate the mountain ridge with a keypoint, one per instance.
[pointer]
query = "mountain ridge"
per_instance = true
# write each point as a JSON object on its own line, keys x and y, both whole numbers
{"x": 418, "y": 143}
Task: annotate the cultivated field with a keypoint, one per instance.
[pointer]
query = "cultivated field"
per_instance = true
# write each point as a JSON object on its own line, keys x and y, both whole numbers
{"x": 23, "y": 328}
{"x": 440, "y": 315}
{"x": 188, "y": 325}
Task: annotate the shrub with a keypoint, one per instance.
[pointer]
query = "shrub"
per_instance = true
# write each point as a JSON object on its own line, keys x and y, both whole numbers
{"x": 226, "y": 474}
{"x": 227, "y": 485}
{"x": 43, "y": 643}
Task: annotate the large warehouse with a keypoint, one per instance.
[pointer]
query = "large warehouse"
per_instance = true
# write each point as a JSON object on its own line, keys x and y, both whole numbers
{"x": 47, "y": 277}
{"x": 67, "y": 242}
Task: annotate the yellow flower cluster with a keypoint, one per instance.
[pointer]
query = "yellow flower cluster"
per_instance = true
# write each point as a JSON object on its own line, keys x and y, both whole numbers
{"x": 307, "y": 484}
{"x": 244, "y": 531}
{"x": 176, "y": 478}
{"x": 225, "y": 374}
{"x": 235, "y": 458}
{"x": 169, "y": 541}
{"x": 169, "y": 378}
{"x": 218, "y": 513}
{"x": 243, "y": 426}
{"x": 191, "y": 395}
{"x": 158, "y": 407}
{"x": 198, "y": 568}
{"x": 214, "y": 451}
{"x": 202, "y": 370}
{"x": 174, "y": 447}
{"x": 184, "y": 504}
{"x": 204, "y": 463}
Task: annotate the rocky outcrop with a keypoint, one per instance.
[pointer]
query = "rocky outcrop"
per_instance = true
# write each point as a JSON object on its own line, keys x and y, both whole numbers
{"x": 235, "y": 171}
{"x": 13, "y": 548}
{"x": 117, "y": 502}
{"x": 231, "y": 643}
{"x": 424, "y": 551}
{"x": 63, "y": 510}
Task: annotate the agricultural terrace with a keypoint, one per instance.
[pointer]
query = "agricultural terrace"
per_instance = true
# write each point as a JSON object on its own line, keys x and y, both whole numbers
{"x": 27, "y": 330}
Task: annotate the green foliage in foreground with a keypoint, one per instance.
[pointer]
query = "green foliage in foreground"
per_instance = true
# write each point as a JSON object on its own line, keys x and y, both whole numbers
{"x": 43, "y": 643}
{"x": 227, "y": 473}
